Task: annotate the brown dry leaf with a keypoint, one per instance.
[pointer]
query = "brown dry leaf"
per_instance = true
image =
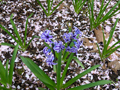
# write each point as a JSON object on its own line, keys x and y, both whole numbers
{"x": 111, "y": 56}
{"x": 63, "y": 5}
{"x": 104, "y": 67}
{"x": 114, "y": 65}
{"x": 86, "y": 42}
{"x": 95, "y": 48}
{"x": 99, "y": 34}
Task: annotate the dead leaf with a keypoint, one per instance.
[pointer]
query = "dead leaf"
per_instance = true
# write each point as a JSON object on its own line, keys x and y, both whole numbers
{"x": 86, "y": 42}
{"x": 114, "y": 65}
{"x": 104, "y": 67}
{"x": 99, "y": 34}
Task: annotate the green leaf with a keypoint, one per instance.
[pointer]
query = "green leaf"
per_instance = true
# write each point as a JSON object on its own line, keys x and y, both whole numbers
{"x": 12, "y": 64}
{"x": 15, "y": 30}
{"x": 111, "y": 32}
{"x": 66, "y": 67}
{"x": 99, "y": 51}
{"x": 111, "y": 51}
{"x": 7, "y": 75}
{"x": 56, "y": 54}
{"x": 110, "y": 12}
{"x": 112, "y": 46}
{"x": 25, "y": 36}
{"x": 30, "y": 41}
{"x": 42, "y": 7}
{"x": 38, "y": 72}
{"x": 77, "y": 60}
{"x": 3, "y": 74}
{"x": 102, "y": 10}
{"x": 47, "y": 45}
{"x": 56, "y": 7}
{"x": 9, "y": 33}
{"x": 59, "y": 70}
{"x": 7, "y": 44}
{"x": 65, "y": 55}
{"x": 41, "y": 88}
{"x": 82, "y": 87}
{"x": 49, "y": 7}
{"x": 79, "y": 76}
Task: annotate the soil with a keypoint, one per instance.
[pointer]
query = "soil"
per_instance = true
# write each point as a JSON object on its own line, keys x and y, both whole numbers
{"x": 23, "y": 78}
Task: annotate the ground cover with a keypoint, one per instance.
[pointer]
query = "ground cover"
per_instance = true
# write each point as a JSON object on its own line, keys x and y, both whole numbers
{"x": 59, "y": 22}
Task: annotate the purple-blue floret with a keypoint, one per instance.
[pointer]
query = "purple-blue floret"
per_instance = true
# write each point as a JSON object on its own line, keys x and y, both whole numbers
{"x": 46, "y": 36}
{"x": 50, "y": 59}
{"x": 58, "y": 46}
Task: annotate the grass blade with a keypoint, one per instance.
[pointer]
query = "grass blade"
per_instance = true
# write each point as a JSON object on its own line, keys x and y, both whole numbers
{"x": 9, "y": 33}
{"x": 7, "y": 75}
{"x": 7, "y": 44}
{"x": 30, "y": 41}
{"x": 65, "y": 69}
{"x": 79, "y": 76}
{"x": 81, "y": 5}
{"x": 56, "y": 7}
{"x": 25, "y": 36}
{"x": 42, "y": 7}
{"x": 112, "y": 46}
{"x": 111, "y": 32}
{"x": 12, "y": 64}
{"x": 102, "y": 82}
{"x": 48, "y": 3}
{"x": 113, "y": 50}
{"x": 59, "y": 70}
{"x": 92, "y": 9}
{"x": 2, "y": 74}
{"x": 99, "y": 51}
{"x": 77, "y": 60}
{"x": 112, "y": 9}
{"x": 102, "y": 11}
{"x": 104, "y": 42}
{"x": 15, "y": 30}
{"x": 42, "y": 88}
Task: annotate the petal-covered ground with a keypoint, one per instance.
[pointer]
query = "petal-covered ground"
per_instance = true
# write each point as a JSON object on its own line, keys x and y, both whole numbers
{"x": 58, "y": 22}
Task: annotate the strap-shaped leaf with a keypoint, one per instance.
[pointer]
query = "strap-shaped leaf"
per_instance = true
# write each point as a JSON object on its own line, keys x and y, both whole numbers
{"x": 110, "y": 11}
{"x": 3, "y": 74}
{"x": 37, "y": 71}
{"x": 99, "y": 50}
{"x": 111, "y": 32}
{"x": 112, "y": 47}
{"x": 56, "y": 7}
{"x": 42, "y": 88}
{"x": 12, "y": 64}
{"x": 7, "y": 75}
{"x": 42, "y": 7}
{"x": 78, "y": 61}
{"x": 7, "y": 44}
{"x": 31, "y": 41}
{"x": 102, "y": 82}
{"x": 66, "y": 67}
{"x": 25, "y": 36}
{"x": 102, "y": 10}
{"x": 79, "y": 76}
{"x": 9, "y": 33}
{"x": 15, "y": 30}
{"x": 59, "y": 70}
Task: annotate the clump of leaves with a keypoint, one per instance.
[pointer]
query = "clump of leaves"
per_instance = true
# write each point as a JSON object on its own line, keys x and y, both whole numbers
{"x": 17, "y": 37}
{"x": 101, "y": 17}
{"x": 108, "y": 51}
